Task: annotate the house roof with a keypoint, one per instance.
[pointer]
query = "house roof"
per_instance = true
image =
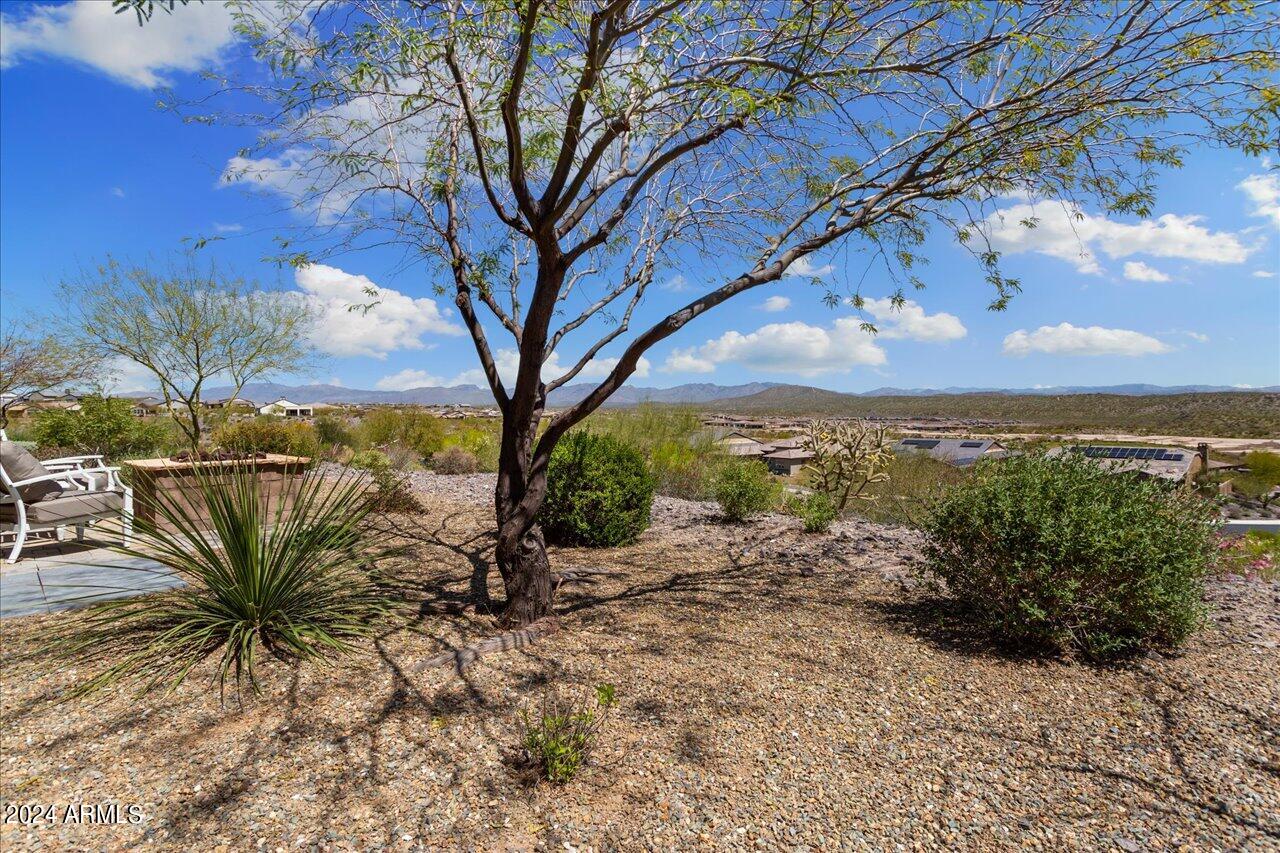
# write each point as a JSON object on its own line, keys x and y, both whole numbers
{"x": 1168, "y": 463}
{"x": 797, "y": 453}
{"x": 959, "y": 451}
{"x": 738, "y": 438}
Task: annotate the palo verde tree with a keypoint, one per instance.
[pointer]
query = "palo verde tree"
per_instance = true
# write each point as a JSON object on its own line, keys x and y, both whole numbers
{"x": 546, "y": 159}
{"x": 188, "y": 326}
{"x": 34, "y": 362}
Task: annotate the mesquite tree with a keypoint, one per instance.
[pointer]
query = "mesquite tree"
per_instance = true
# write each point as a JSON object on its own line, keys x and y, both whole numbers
{"x": 547, "y": 158}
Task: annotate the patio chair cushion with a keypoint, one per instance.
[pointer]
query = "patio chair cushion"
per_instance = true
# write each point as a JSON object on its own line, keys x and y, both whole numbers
{"x": 19, "y": 464}
{"x": 70, "y": 506}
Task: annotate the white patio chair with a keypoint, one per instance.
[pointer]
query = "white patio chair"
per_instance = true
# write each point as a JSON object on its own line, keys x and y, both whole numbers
{"x": 83, "y": 491}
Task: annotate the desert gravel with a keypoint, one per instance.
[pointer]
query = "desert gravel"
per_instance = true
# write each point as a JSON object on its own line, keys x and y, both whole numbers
{"x": 777, "y": 692}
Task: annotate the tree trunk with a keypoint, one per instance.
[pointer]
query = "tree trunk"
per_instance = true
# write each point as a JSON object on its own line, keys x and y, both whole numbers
{"x": 521, "y": 551}
{"x": 526, "y": 573}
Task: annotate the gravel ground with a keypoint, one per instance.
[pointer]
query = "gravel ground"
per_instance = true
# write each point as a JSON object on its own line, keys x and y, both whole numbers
{"x": 777, "y": 691}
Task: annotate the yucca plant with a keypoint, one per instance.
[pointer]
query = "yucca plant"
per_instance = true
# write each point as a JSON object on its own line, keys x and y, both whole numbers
{"x": 301, "y": 580}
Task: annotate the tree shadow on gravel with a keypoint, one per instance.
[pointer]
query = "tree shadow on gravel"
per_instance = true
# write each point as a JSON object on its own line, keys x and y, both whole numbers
{"x": 949, "y": 626}
{"x": 442, "y": 595}
{"x": 742, "y": 581}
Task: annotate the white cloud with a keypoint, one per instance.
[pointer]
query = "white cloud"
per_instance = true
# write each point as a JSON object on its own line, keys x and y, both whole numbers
{"x": 227, "y": 228}
{"x": 294, "y": 175}
{"x": 775, "y": 304}
{"x": 406, "y": 379}
{"x": 784, "y": 348}
{"x": 396, "y": 322}
{"x": 334, "y": 380}
{"x": 89, "y": 32}
{"x": 1263, "y": 274}
{"x": 675, "y": 284}
{"x": 117, "y": 192}
{"x": 1264, "y": 192}
{"x": 803, "y": 266}
{"x": 1138, "y": 271}
{"x": 129, "y": 377}
{"x": 1198, "y": 337}
{"x": 1066, "y": 232}
{"x": 1066, "y": 339}
{"x": 912, "y": 323}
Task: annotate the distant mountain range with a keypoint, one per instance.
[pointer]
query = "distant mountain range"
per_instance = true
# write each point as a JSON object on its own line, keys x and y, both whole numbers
{"x": 694, "y": 392}
{"x": 1131, "y": 390}
{"x": 473, "y": 395}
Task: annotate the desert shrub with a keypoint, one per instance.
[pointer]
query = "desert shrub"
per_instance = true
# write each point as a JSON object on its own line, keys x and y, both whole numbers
{"x": 683, "y": 469}
{"x": 300, "y": 579}
{"x": 418, "y": 431}
{"x": 369, "y": 460}
{"x": 1059, "y": 554}
{"x": 333, "y": 432}
{"x": 1256, "y": 554}
{"x": 1262, "y": 477}
{"x": 599, "y": 492}
{"x": 814, "y": 509}
{"x": 680, "y": 452}
{"x": 454, "y": 460}
{"x": 915, "y": 481}
{"x": 393, "y": 492}
{"x": 743, "y": 488}
{"x": 556, "y": 741}
{"x": 103, "y": 425}
{"x": 482, "y": 442}
{"x": 269, "y": 435}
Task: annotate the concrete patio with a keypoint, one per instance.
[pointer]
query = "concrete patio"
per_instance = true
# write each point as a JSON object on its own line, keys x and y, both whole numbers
{"x": 55, "y": 576}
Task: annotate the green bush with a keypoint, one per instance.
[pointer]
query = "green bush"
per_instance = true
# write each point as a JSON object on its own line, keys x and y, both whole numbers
{"x": 102, "y": 425}
{"x": 394, "y": 494}
{"x": 915, "y": 482}
{"x": 744, "y": 487}
{"x": 482, "y": 442}
{"x": 300, "y": 579}
{"x": 599, "y": 492}
{"x": 816, "y": 511}
{"x": 370, "y": 460}
{"x": 681, "y": 453}
{"x": 1256, "y": 554}
{"x": 418, "y": 431}
{"x": 558, "y": 740}
{"x": 332, "y": 432}
{"x": 454, "y": 460}
{"x": 1059, "y": 554}
{"x": 269, "y": 435}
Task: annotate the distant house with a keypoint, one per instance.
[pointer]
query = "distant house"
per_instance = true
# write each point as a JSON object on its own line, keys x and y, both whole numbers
{"x": 787, "y": 461}
{"x": 285, "y": 409}
{"x": 960, "y": 452}
{"x": 229, "y": 403}
{"x": 142, "y": 406}
{"x": 1175, "y": 464}
{"x": 737, "y": 444}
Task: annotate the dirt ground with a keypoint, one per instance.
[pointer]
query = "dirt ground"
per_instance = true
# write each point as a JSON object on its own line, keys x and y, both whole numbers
{"x": 776, "y": 691}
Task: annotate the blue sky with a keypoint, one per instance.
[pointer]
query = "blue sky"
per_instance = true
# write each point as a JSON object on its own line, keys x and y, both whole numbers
{"x": 89, "y": 165}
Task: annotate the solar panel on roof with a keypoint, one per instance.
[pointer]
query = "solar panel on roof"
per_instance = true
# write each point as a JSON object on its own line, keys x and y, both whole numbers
{"x": 926, "y": 443}
{"x": 971, "y": 444}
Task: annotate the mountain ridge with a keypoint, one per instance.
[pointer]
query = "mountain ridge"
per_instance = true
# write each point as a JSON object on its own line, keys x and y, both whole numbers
{"x": 692, "y": 392}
